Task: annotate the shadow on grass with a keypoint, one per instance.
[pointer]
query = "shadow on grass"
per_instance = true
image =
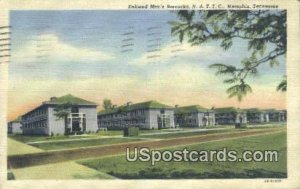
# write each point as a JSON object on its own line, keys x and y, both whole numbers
{"x": 157, "y": 173}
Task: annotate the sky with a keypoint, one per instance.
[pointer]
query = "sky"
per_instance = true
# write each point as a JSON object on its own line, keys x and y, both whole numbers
{"x": 106, "y": 54}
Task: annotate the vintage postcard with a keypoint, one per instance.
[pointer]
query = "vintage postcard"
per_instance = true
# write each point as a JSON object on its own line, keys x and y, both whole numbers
{"x": 132, "y": 94}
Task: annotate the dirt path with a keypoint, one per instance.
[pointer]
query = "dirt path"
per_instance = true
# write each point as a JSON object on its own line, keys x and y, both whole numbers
{"x": 18, "y": 161}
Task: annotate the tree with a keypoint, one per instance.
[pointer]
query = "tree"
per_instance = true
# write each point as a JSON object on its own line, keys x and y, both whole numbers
{"x": 265, "y": 31}
{"x": 107, "y": 104}
{"x": 282, "y": 85}
{"x": 61, "y": 112}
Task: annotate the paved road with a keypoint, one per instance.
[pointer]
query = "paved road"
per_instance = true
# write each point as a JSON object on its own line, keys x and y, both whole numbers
{"x": 18, "y": 161}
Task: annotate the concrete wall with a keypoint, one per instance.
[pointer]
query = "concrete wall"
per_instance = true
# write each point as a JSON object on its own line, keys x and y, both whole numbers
{"x": 149, "y": 116}
{"x": 241, "y": 118}
{"x": 200, "y": 119}
{"x": 91, "y": 118}
{"x": 209, "y": 122}
{"x": 14, "y": 128}
{"x": 153, "y": 115}
{"x": 36, "y": 130}
{"x": 266, "y": 117}
{"x": 196, "y": 119}
{"x": 171, "y": 113}
{"x": 119, "y": 120}
{"x": 213, "y": 118}
{"x": 55, "y": 125}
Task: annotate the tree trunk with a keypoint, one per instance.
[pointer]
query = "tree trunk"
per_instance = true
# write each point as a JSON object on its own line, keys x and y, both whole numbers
{"x": 66, "y": 125}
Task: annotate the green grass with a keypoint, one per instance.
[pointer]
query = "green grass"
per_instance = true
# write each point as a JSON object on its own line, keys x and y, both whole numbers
{"x": 195, "y": 133}
{"x": 120, "y": 132}
{"x": 267, "y": 125}
{"x": 187, "y": 134}
{"x": 110, "y": 133}
{"x": 119, "y": 167}
{"x": 82, "y": 143}
{"x": 15, "y": 147}
{"x": 34, "y": 138}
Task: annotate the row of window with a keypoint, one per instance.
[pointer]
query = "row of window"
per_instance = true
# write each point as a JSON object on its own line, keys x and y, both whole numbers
{"x": 124, "y": 114}
{"x": 35, "y": 125}
{"x": 36, "y": 113}
{"x": 228, "y": 116}
{"x": 123, "y": 122}
{"x": 35, "y": 119}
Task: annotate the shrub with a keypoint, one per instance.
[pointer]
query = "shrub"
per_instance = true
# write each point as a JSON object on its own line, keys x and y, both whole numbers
{"x": 10, "y": 176}
{"x": 52, "y": 134}
{"x": 68, "y": 131}
{"x": 131, "y": 131}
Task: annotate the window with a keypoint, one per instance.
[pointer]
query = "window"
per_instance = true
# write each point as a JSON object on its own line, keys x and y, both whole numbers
{"x": 74, "y": 109}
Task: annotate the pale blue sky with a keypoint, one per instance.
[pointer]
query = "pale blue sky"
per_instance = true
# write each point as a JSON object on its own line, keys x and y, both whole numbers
{"x": 102, "y": 30}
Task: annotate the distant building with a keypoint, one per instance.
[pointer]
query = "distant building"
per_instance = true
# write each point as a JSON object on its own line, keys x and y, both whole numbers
{"x": 194, "y": 116}
{"x": 14, "y": 127}
{"x": 43, "y": 119}
{"x": 277, "y": 115}
{"x": 255, "y": 115}
{"x": 229, "y": 115}
{"x": 145, "y": 115}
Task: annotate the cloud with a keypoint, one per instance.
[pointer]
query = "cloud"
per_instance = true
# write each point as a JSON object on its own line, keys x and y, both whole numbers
{"x": 183, "y": 76}
{"x": 185, "y": 51}
{"x": 49, "y": 48}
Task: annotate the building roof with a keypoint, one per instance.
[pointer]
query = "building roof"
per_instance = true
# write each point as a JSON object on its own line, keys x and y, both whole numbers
{"x": 142, "y": 105}
{"x": 18, "y": 119}
{"x": 190, "y": 109}
{"x": 69, "y": 99}
{"x": 254, "y": 110}
{"x": 226, "y": 109}
{"x": 64, "y": 99}
{"x": 272, "y": 110}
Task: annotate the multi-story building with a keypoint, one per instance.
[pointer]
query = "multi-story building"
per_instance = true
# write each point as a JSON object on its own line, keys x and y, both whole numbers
{"x": 194, "y": 116}
{"x": 60, "y": 115}
{"x": 14, "y": 127}
{"x": 230, "y": 115}
{"x": 145, "y": 115}
{"x": 255, "y": 115}
{"x": 277, "y": 115}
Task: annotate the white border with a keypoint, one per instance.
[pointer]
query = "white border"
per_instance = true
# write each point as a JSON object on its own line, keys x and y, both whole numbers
{"x": 293, "y": 103}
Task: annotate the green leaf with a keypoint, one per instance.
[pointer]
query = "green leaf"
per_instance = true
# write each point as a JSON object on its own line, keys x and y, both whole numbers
{"x": 282, "y": 85}
{"x": 239, "y": 90}
{"x": 223, "y": 69}
{"x": 226, "y": 44}
{"x": 273, "y": 63}
{"x": 233, "y": 80}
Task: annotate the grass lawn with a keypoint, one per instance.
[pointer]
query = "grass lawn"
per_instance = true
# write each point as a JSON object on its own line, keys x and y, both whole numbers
{"x": 82, "y": 143}
{"x": 15, "y": 147}
{"x": 119, "y": 167}
{"x": 65, "y": 170}
{"x": 34, "y": 138}
{"x": 267, "y": 125}
{"x": 187, "y": 134}
{"x": 199, "y": 132}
